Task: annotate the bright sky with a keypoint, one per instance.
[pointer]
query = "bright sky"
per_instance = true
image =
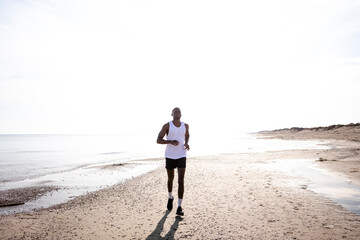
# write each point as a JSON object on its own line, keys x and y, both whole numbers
{"x": 112, "y": 66}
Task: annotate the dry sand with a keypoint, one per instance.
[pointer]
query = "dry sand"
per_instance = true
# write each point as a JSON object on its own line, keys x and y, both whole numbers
{"x": 226, "y": 197}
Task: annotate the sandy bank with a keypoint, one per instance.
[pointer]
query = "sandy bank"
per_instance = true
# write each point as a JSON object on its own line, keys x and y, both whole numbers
{"x": 344, "y": 156}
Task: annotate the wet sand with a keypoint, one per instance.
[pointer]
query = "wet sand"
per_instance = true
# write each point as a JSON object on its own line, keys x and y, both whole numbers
{"x": 344, "y": 156}
{"x": 227, "y": 196}
{"x": 20, "y": 196}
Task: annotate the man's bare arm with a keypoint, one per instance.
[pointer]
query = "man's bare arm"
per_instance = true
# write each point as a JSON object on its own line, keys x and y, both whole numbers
{"x": 187, "y": 136}
{"x": 162, "y": 133}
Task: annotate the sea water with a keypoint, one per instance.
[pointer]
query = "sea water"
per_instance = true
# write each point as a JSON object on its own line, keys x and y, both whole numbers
{"x": 80, "y": 164}
{"x": 320, "y": 181}
{"x": 31, "y": 156}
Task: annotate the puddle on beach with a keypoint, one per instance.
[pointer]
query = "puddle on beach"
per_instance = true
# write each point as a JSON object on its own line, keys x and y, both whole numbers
{"x": 321, "y": 181}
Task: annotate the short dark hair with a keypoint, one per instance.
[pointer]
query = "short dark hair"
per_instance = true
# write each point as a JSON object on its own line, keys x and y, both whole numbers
{"x": 174, "y": 109}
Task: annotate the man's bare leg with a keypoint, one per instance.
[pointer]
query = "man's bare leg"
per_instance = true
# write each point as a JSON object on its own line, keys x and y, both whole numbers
{"x": 181, "y": 175}
{"x": 170, "y": 173}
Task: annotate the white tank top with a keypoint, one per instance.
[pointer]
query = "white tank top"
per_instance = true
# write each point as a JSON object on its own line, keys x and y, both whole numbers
{"x": 176, "y": 133}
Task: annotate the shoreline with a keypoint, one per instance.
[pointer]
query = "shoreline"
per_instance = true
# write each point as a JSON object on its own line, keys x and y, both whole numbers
{"x": 260, "y": 205}
{"x": 227, "y": 196}
{"x": 19, "y": 196}
{"x": 69, "y": 184}
{"x": 343, "y": 158}
{"x": 36, "y": 194}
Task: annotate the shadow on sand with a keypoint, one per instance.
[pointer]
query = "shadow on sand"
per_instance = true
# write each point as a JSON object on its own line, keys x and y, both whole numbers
{"x": 156, "y": 234}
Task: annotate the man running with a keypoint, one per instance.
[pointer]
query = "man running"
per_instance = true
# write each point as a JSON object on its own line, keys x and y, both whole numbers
{"x": 177, "y": 138}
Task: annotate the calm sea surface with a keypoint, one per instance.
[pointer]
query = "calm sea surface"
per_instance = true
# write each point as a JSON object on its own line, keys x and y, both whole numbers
{"x": 29, "y": 156}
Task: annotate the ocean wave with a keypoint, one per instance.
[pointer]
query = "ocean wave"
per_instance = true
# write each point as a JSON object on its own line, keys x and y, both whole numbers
{"x": 114, "y": 165}
{"x": 112, "y": 153}
{"x": 34, "y": 151}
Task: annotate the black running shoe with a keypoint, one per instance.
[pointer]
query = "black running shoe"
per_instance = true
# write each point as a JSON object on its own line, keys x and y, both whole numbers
{"x": 179, "y": 211}
{"x": 170, "y": 204}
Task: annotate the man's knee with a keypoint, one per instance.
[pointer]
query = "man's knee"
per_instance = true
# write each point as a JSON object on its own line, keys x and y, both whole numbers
{"x": 170, "y": 174}
{"x": 170, "y": 178}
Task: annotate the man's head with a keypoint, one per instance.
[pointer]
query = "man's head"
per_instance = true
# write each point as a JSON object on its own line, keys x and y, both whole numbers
{"x": 176, "y": 113}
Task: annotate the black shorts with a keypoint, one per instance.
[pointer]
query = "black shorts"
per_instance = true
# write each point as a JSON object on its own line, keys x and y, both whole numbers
{"x": 175, "y": 163}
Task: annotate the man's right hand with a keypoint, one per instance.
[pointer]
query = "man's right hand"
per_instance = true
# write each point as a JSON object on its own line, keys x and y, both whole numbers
{"x": 174, "y": 142}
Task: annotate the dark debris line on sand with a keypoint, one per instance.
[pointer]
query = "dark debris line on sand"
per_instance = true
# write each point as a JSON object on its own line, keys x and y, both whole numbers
{"x": 19, "y": 196}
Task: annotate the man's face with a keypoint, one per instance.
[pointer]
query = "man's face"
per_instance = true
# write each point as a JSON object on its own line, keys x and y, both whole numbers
{"x": 176, "y": 113}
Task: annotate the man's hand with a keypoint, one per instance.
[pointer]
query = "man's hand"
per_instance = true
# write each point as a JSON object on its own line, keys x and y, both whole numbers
{"x": 174, "y": 142}
{"x": 186, "y": 146}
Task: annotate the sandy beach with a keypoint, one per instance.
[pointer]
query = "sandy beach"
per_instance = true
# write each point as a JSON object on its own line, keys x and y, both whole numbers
{"x": 344, "y": 156}
{"x": 228, "y": 196}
